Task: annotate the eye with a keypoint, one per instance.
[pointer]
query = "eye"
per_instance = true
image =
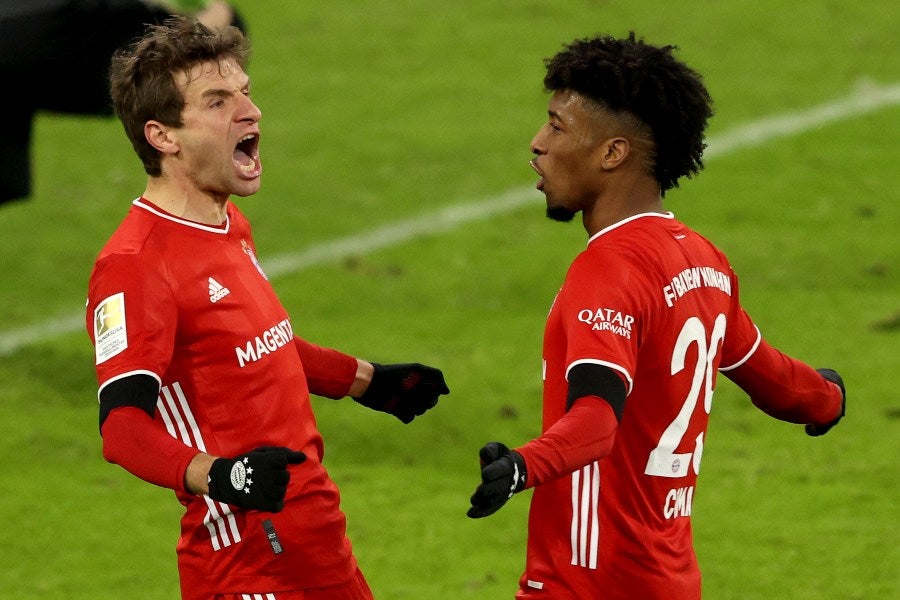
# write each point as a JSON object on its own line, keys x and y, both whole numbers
{"x": 556, "y": 128}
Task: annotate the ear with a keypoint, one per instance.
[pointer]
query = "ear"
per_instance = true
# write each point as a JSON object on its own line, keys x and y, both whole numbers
{"x": 160, "y": 137}
{"x": 612, "y": 152}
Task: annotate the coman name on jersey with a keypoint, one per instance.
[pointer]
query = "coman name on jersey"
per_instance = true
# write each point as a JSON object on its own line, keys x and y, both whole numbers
{"x": 264, "y": 344}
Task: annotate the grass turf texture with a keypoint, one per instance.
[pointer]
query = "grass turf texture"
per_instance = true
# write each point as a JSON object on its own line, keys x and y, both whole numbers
{"x": 376, "y": 112}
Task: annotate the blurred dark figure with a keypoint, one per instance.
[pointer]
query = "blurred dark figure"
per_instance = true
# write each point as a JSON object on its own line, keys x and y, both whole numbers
{"x": 55, "y": 54}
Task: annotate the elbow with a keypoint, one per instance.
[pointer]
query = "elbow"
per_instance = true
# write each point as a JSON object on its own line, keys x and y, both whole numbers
{"x": 110, "y": 453}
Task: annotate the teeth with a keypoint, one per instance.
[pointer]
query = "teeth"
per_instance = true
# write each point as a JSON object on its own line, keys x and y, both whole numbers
{"x": 249, "y": 167}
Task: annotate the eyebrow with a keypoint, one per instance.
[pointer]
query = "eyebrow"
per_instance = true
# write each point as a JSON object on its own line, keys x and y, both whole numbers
{"x": 223, "y": 92}
{"x": 216, "y": 92}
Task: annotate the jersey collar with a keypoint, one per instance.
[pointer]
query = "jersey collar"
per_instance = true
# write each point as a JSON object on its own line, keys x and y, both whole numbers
{"x": 665, "y": 215}
{"x": 152, "y": 208}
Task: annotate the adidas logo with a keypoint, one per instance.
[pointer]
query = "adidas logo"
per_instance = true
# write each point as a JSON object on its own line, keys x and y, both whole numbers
{"x": 217, "y": 291}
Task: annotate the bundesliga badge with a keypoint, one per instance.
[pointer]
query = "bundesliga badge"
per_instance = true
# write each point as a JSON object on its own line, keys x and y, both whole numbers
{"x": 249, "y": 252}
{"x": 110, "y": 334}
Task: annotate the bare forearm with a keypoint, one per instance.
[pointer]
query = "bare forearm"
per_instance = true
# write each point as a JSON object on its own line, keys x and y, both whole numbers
{"x": 364, "y": 371}
{"x": 196, "y": 476}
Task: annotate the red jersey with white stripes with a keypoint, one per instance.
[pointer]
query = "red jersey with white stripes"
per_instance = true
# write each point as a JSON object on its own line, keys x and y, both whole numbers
{"x": 189, "y": 304}
{"x": 657, "y": 303}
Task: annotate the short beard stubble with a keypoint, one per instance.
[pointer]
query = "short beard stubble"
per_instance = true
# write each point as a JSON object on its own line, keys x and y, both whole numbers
{"x": 560, "y": 214}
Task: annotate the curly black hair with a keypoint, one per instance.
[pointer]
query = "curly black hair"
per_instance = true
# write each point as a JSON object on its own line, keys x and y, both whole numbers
{"x": 649, "y": 83}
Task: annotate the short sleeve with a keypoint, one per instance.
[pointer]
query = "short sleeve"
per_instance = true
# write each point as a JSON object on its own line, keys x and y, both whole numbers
{"x": 131, "y": 317}
{"x": 601, "y": 305}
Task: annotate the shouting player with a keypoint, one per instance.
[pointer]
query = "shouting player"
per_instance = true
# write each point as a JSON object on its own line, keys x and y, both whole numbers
{"x": 204, "y": 382}
{"x": 646, "y": 317}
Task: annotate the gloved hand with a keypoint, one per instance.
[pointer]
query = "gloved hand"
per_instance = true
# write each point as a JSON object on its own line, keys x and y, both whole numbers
{"x": 256, "y": 480}
{"x": 832, "y": 376}
{"x": 502, "y": 475}
{"x": 404, "y": 390}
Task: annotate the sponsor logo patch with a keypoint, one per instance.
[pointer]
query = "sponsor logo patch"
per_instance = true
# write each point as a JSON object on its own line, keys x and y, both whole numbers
{"x": 607, "y": 319}
{"x": 264, "y": 344}
{"x": 217, "y": 291}
{"x": 110, "y": 335}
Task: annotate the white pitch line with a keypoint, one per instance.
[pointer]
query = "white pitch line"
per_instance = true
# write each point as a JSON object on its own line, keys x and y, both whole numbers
{"x": 868, "y": 98}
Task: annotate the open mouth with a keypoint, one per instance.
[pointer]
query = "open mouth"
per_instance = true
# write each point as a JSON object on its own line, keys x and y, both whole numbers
{"x": 246, "y": 155}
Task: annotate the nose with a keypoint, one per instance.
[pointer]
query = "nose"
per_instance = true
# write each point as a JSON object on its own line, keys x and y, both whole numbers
{"x": 536, "y": 143}
{"x": 250, "y": 112}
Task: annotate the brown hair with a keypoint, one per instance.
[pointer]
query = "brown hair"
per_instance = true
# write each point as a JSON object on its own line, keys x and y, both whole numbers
{"x": 142, "y": 83}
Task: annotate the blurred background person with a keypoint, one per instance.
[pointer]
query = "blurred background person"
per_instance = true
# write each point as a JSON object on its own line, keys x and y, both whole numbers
{"x": 57, "y": 53}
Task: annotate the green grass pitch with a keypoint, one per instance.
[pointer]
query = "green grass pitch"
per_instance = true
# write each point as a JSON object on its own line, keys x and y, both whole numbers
{"x": 377, "y": 113}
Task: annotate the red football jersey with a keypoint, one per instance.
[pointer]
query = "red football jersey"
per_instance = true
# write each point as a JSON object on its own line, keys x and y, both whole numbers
{"x": 657, "y": 303}
{"x": 189, "y": 304}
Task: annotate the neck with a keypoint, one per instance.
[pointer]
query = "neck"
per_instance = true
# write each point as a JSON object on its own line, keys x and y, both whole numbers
{"x": 187, "y": 203}
{"x": 619, "y": 204}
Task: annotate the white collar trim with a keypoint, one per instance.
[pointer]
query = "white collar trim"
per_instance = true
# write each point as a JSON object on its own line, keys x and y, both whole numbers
{"x": 151, "y": 209}
{"x": 665, "y": 215}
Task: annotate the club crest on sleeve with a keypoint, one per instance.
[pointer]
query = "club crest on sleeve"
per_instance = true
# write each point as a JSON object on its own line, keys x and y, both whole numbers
{"x": 110, "y": 334}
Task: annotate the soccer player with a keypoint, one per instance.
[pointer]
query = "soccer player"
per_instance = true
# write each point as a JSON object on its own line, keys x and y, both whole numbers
{"x": 646, "y": 317}
{"x": 204, "y": 382}
{"x": 51, "y": 45}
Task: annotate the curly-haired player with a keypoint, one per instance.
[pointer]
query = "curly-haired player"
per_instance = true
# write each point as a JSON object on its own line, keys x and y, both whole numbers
{"x": 646, "y": 318}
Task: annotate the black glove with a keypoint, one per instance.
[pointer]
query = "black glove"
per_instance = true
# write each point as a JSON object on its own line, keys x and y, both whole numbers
{"x": 257, "y": 480}
{"x": 832, "y": 376}
{"x": 405, "y": 390}
{"x": 502, "y": 475}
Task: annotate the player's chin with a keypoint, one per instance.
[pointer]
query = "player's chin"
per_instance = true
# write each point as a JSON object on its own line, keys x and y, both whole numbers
{"x": 245, "y": 187}
{"x": 560, "y": 214}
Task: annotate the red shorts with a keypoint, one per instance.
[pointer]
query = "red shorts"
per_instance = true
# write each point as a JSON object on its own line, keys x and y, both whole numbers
{"x": 355, "y": 589}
